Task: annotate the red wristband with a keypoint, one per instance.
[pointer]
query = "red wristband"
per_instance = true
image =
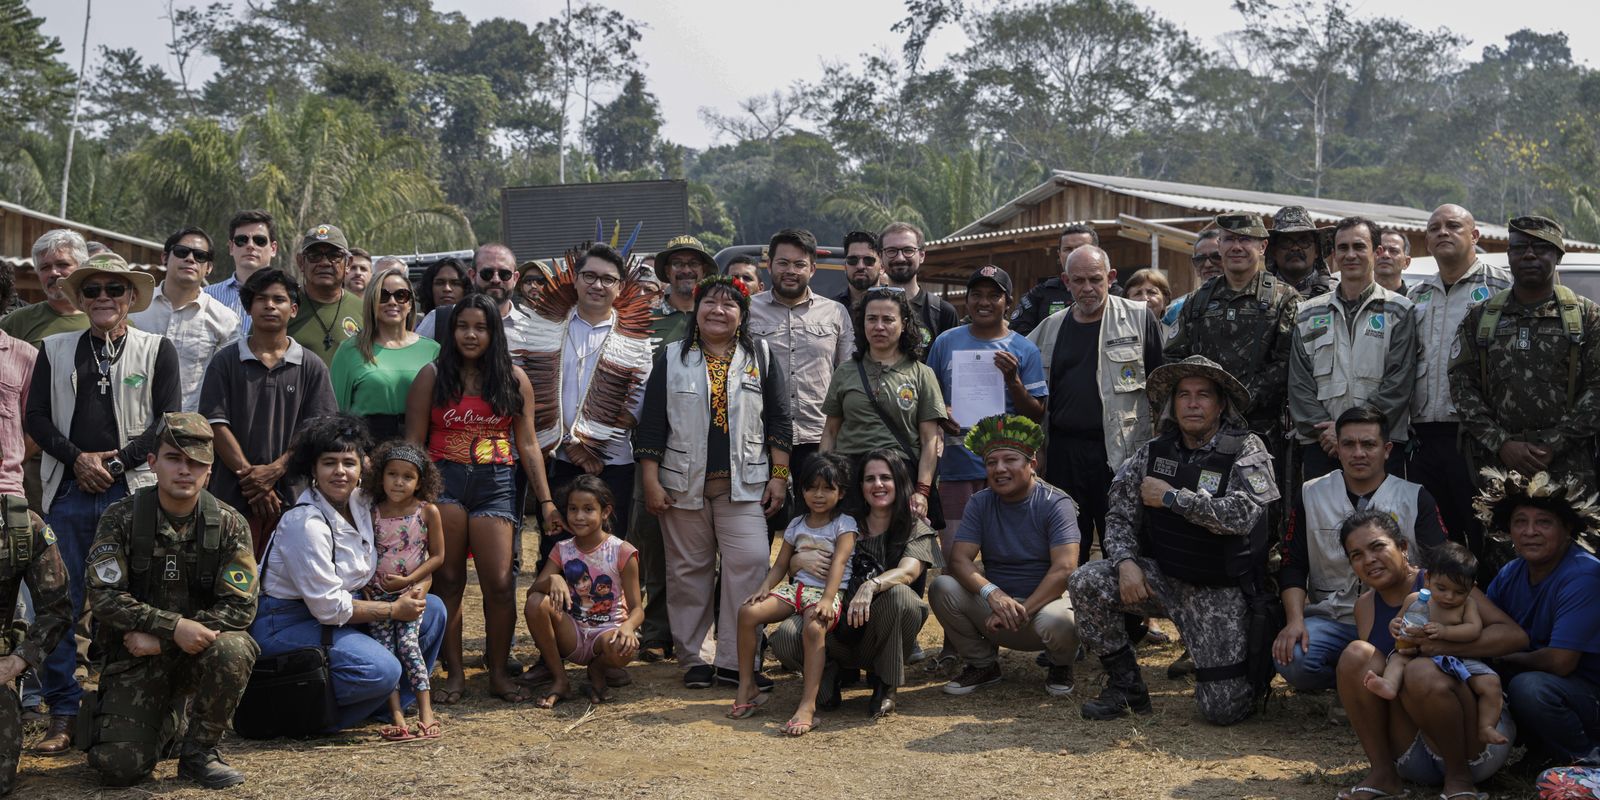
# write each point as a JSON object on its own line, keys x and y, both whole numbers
{"x": 924, "y": 489}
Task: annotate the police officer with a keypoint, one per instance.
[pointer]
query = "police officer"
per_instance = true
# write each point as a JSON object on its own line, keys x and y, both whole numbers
{"x": 1526, "y": 379}
{"x": 27, "y": 554}
{"x": 1294, "y": 252}
{"x": 1185, "y": 538}
{"x": 172, "y": 581}
{"x": 1053, "y": 295}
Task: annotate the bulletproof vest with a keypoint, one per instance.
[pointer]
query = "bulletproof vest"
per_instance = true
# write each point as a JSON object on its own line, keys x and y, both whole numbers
{"x": 1183, "y": 549}
{"x": 175, "y": 576}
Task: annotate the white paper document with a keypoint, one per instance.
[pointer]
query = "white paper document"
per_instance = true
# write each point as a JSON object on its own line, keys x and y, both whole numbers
{"x": 977, "y": 389}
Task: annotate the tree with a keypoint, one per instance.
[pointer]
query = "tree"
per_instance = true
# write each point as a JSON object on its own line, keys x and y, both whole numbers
{"x": 622, "y": 136}
{"x": 34, "y": 86}
{"x": 593, "y": 49}
{"x": 133, "y": 99}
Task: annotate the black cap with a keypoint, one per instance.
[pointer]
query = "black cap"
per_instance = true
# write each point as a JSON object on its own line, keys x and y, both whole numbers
{"x": 991, "y": 273}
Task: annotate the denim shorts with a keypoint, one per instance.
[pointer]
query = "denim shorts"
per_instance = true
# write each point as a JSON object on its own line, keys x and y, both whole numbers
{"x": 483, "y": 490}
{"x": 1418, "y": 763}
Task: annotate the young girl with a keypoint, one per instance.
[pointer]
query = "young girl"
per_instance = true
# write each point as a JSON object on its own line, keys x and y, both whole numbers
{"x": 1452, "y": 617}
{"x": 573, "y": 612}
{"x": 824, "y": 482}
{"x": 410, "y": 546}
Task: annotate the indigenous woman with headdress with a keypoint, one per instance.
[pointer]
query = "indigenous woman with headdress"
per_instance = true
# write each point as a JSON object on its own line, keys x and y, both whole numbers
{"x": 713, "y": 453}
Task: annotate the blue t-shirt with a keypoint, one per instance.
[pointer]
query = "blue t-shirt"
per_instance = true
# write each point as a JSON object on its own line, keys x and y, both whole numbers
{"x": 958, "y": 463}
{"x": 1014, "y": 539}
{"x": 1560, "y": 612}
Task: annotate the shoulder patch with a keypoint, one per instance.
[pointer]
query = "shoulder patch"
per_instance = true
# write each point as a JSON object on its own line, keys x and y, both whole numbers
{"x": 239, "y": 577}
{"x": 104, "y": 549}
{"x": 48, "y": 535}
{"x": 108, "y": 570}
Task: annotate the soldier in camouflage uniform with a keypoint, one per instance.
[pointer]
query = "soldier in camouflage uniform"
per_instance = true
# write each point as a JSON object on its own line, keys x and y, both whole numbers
{"x": 27, "y": 554}
{"x": 1185, "y": 536}
{"x": 1294, "y": 252}
{"x": 1525, "y": 377}
{"x": 172, "y": 581}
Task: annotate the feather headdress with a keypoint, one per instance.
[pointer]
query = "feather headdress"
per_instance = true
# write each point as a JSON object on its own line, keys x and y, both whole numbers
{"x": 605, "y": 412}
{"x": 1504, "y": 491}
{"x": 1005, "y": 431}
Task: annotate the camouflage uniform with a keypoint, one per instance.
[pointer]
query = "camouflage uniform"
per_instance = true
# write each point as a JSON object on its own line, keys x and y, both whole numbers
{"x": 136, "y": 711}
{"x": 1248, "y": 333}
{"x": 46, "y": 577}
{"x": 1319, "y": 280}
{"x": 1525, "y": 395}
{"x": 1211, "y": 619}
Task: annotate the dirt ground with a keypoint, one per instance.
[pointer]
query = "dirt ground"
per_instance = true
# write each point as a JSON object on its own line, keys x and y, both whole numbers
{"x": 657, "y": 739}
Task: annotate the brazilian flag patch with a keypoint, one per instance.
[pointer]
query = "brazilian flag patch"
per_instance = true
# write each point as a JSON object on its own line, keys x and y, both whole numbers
{"x": 240, "y": 578}
{"x": 49, "y": 536}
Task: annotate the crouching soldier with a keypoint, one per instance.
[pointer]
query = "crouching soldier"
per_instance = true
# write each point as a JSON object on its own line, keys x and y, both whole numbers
{"x": 27, "y": 554}
{"x": 172, "y": 581}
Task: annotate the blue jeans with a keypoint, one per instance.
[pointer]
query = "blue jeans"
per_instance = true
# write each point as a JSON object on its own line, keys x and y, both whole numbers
{"x": 1419, "y": 764}
{"x": 1314, "y": 669}
{"x": 74, "y": 515}
{"x": 1559, "y": 716}
{"x": 364, "y": 671}
{"x": 482, "y": 490}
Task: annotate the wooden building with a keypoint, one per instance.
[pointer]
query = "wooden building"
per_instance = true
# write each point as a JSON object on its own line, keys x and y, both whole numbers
{"x": 1141, "y": 223}
{"x": 21, "y": 227}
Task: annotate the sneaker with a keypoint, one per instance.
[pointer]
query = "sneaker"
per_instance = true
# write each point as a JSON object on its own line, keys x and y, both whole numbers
{"x": 972, "y": 678}
{"x": 700, "y": 677}
{"x": 1058, "y": 681}
{"x": 205, "y": 767}
{"x": 730, "y": 677}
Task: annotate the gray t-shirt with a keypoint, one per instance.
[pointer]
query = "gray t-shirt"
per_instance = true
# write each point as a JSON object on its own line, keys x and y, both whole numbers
{"x": 805, "y": 538}
{"x": 1014, "y": 539}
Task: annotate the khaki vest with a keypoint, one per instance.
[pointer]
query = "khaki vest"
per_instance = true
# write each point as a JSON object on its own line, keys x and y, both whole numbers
{"x": 683, "y": 467}
{"x": 1349, "y": 368}
{"x": 1331, "y": 586}
{"x": 1439, "y": 315}
{"x": 1120, "y": 372}
{"x": 131, "y": 401}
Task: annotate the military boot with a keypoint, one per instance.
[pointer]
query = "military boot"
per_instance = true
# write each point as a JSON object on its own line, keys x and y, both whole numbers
{"x": 203, "y": 766}
{"x": 1125, "y": 689}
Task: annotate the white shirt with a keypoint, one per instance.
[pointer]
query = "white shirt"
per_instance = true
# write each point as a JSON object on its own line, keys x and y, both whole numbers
{"x": 579, "y": 355}
{"x": 197, "y": 330}
{"x": 321, "y": 566}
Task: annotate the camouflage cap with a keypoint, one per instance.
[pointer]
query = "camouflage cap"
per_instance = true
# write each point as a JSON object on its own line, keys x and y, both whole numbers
{"x": 188, "y": 431}
{"x": 685, "y": 243}
{"x": 1166, "y": 377}
{"x": 1242, "y": 224}
{"x": 1541, "y": 228}
{"x": 324, "y": 234}
{"x": 1293, "y": 219}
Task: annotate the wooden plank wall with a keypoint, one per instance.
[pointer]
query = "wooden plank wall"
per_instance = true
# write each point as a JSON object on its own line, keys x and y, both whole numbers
{"x": 18, "y": 232}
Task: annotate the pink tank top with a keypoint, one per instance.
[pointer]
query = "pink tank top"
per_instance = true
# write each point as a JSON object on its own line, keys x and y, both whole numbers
{"x": 595, "y": 580}
{"x": 469, "y": 432}
{"x": 402, "y": 544}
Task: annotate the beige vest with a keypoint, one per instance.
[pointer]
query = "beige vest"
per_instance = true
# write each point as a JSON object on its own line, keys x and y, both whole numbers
{"x": 1348, "y": 367}
{"x": 130, "y": 398}
{"x": 1120, "y": 372}
{"x": 1331, "y": 586}
{"x": 683, "y": 467}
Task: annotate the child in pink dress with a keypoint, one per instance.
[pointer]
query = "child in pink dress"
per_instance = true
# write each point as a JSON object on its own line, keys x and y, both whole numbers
{"x": 410, "y": 546}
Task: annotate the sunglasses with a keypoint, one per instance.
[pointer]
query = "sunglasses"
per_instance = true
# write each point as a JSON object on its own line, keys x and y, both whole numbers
{"x": 398, "y": 296}
{"x": 854, "y": 260}
{"x": 180, "y": 252}
{"x": 1209, "y": 258}
{"x": 260, "y": 240}
{"x": 112, "y": 289}
{"x": 319, "y": 256}
{"x": 497, "y": 274}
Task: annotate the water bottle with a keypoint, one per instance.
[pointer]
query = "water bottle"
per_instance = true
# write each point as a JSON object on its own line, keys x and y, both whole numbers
{"x": 1416, "y": 616}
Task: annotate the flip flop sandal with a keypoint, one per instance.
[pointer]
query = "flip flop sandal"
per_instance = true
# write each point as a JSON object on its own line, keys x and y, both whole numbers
{"x": 396, "y": 733}
{"x": 1364, "y": 793}
{"x": 792, "y": 728}
{"x": 517, "y": 694}
{"x": 748, "y": 710}
{"x": 446, "y": 697}
{"x": 552, "y": 699}
{"x": 431, "y": 730}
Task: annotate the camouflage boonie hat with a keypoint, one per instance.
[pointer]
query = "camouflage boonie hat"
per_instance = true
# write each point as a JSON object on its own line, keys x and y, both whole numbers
{"x": 689, "y": 244}
{"x": 1541, "y": 228}
{"x": 324, "y": 234}
{"x": 189, "y": 432}
{"x": 1293, "y": 219}
{"x": 1242, "y": 224}
{"x": 1166, "y": 377}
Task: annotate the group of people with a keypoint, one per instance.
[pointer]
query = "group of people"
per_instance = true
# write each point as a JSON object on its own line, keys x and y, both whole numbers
{"x": 1276, "y": 462}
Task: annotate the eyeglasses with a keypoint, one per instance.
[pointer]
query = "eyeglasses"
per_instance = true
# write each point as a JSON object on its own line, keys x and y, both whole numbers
{"x": 1209, "y": 258}
{"x": 903, "y": 252}
{"x": 605, "y": 281}
{"x": 111, "y": 289}
{"x": 398, "y": 296}
{"x": 786, "y": 264}
{"x": 868, "y": 260}
{"x": 181, "y": 252}
{"x": 260, "y": 240}
{"x": 318, "y": 256}
{"x": 1541, "y": 249}
{"x": 496, "y": 274}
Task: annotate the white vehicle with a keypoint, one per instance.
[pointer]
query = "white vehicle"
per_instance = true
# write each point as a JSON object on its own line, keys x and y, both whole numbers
{"x": 1578, "y": 271}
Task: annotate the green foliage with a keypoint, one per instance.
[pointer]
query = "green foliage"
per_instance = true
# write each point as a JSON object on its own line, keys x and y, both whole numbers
{"x": 34, "y": 85}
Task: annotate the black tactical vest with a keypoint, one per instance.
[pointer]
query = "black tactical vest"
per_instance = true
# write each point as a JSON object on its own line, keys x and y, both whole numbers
{"x": 1183, "y": 549}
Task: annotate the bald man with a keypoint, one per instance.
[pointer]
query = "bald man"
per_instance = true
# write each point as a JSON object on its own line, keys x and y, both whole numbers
{"x": 1441, "y": 303}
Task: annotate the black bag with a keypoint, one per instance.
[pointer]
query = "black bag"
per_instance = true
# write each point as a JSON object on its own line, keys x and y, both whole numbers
{"x": 289, "y": 694}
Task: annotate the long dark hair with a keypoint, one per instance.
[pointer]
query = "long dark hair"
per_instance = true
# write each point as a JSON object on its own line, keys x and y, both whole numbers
{"x": 718, "y": 285}
{"x": 424, "y": 287}
{"x": 910, "y": 331}
{"x": 901, "y": 521}
{"x": 498, "y": 384}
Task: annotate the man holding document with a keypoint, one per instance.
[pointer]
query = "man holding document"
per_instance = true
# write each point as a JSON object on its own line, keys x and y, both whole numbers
{"x": 1096, "y": 354}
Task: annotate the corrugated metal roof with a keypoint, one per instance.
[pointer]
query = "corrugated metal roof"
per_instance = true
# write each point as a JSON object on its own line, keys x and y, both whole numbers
{"x": 543, "y": 221}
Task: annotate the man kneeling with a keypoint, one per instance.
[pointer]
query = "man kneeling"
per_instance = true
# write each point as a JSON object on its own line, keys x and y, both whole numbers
{"x": 1027, "y": 531}
{"x": 172, "y": 581}
{"x": 1185, "y": 536}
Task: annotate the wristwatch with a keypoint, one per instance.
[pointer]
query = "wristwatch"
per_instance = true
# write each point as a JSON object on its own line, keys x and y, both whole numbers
{"x": 115, "y": 466}
{"x": 1169, "y": 499}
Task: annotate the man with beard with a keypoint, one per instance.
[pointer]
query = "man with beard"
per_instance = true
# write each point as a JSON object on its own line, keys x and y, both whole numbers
{"x": 494, "y": 273}
{"x": 329, "y": 314}
{"x": 683, "y": 263}
{"x": 1394, "y": 255}
{"x": 1441, "y": 302}
{"x": 902, "y": 247}
{"x": 809, "y": 335}
{"x": 863, "y": 261}
{"x": 1053, "y": 295}
{"x": 360, "y": 271}
{"x": 1207, "y": 263}
{"x": 1294, "y": 252}
{"x": 1526, "y": 383}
